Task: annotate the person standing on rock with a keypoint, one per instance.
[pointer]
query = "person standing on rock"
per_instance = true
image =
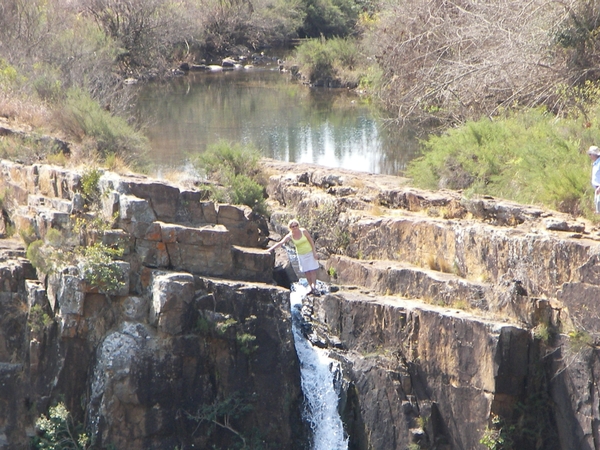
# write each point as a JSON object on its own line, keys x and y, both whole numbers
{"x": 594, "y": 154}
{"x": 306, "y": 251}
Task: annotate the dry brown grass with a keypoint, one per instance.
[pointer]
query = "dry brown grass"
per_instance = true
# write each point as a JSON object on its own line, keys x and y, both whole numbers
{"x": 25, "y": 113}
{"x": 376, "y": 209}
{"x": 439, "y": 264}
{"x": 459, "y": 60}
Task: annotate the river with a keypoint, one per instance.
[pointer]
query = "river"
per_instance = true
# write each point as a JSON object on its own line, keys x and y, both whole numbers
{"x": 282, "y": 118}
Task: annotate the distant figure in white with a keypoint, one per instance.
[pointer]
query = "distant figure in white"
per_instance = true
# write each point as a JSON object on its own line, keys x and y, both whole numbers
{"x": 594, "y": 154}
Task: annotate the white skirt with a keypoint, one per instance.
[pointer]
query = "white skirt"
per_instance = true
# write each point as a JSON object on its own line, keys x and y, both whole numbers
{"x": 307, "y": 262}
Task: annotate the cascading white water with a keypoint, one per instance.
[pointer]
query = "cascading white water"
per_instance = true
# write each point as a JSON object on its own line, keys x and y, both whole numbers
{"x": 317, "y": 384}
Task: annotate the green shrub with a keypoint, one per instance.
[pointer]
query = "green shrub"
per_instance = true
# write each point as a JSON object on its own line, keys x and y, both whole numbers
{"x": 246, "y": 191}
{"x": 330, "y": 18}
{"x": 38, "y": 319}
{"x": 315, "y": 59}
{"x": 204, "y": 326}
{"x": 89, "y": 185}
{"x": 237, "y": 169}
{"x": 222, "y": 327}
{"x": 246, "y": 343}
{"x": 28, "y": 235}
{"x": 528, "y": 157}
{"x": 327, "y": 59}
{"x": 579, "y": 340}
{"x": 46, "y": 81}
{"x": 498, "y": 435}
{"x": 99, "y": 268}
{"x": 50, "y": 254}
{"x": 96, "y": 261}
{"x": 8, "y": 74}
{"x": 223, "y": 158}
{"x": 84, "y": 118}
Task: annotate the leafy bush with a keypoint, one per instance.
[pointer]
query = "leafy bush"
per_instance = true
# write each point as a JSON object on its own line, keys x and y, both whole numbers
{"x": 528, "y": 157}
{"x": 579, "y": 340}
{"x": 224, "y": 157}
{"x": 89, "y": 185}
{"x": 52, "y": 253}
{"x": 38, "y": 319}
{"x": 329, "y": 18}
{"x": 99, "y": 268}
{"x": 497, "y": 436}
{"x": 236, "y": 168}
{"x": 96, "y": 261}
{"x": 246, "y": 343}
{"x": 8, "y": 74}
{"x": 336, "y": 58}
{"x": 84, "y": 118}
{"x": 245, "y": 191}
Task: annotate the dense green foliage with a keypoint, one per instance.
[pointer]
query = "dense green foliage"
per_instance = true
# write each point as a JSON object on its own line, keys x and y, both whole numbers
{"x": 337, "y": 58}
{"x": 329, "y": 18}
{"x": 530, "y": 157}
{"x": 99, "y": 268}
{"x": 89, "y": 185}
{"x": 236, "y": 170}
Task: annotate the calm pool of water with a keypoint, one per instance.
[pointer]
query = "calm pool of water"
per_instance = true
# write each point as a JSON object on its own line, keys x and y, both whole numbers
{"x": 282, "y": 118}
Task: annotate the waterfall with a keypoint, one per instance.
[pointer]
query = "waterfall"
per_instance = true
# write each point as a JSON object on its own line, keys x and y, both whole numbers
{"x": 317, "y": 384}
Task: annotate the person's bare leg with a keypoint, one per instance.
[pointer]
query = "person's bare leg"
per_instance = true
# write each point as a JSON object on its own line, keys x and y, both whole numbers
{"x": 311, "y": 277}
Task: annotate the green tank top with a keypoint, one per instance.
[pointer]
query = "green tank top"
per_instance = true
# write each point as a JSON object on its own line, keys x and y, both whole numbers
{"x": 302, "y": 245}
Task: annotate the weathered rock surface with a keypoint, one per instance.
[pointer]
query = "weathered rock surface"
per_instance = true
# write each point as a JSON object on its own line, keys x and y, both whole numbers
{"x": 523, "y": 356}
{"x": 409, "y": 358}
{"x": 456, "y": 319}
{"x": 168, "y": 358}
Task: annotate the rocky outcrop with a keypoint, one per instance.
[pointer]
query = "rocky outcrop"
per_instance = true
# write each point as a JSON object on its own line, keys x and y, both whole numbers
{"x": 162, "y": 356}
{"x": 457, "y": 322}
{"x": 466, "y": 321}
{"x": 435, "y": 374}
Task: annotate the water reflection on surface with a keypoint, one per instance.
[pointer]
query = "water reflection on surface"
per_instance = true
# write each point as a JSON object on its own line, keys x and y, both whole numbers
{"x": 283, "y": 119}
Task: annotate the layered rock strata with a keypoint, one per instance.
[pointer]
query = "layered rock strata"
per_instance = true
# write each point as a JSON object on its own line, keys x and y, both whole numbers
{"x": 457, "y": 323}
{"x": 460, "y": 322}
{"x": 172, "y": 357}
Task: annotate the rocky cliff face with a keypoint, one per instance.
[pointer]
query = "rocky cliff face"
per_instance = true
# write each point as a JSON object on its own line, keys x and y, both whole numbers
{"x": 458, "y": 323}
{"x": 168, "y": 358}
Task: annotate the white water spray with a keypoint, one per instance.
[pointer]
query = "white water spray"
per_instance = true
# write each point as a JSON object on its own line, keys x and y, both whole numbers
{"x": 317, "y": 384}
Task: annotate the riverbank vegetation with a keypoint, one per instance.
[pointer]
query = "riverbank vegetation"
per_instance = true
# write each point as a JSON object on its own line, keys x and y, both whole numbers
{"x": 479, "y": 69}
{"x": 236, "y": 173}
{"x": 530, "y": 157}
